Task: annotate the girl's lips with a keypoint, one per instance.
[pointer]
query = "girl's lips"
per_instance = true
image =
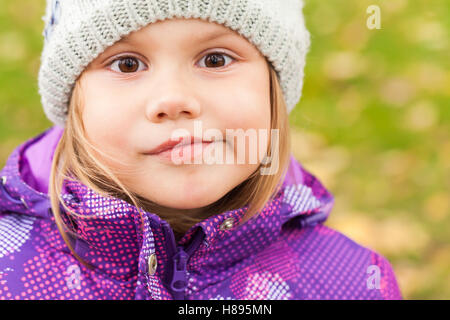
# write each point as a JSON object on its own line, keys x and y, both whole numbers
{"x": 183, "y": 152}
{"x": 170, "y": 144}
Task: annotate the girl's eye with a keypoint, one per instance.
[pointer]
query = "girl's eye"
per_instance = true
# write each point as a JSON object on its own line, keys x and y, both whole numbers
{"x": 127, "y": 65}
{"x": 216, "y": 60}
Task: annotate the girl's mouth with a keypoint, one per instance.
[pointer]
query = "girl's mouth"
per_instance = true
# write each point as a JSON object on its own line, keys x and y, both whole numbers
{"x": 180, "y": 142}
{"x": 182, "y": 152}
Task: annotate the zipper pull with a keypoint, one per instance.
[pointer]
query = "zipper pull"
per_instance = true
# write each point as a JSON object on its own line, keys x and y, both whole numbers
{"x": 179, "y": 281}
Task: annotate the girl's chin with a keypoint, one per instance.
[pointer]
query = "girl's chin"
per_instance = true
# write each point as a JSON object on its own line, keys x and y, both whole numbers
{"x": 176, "y": 198}
{"x": 188, "y": 204}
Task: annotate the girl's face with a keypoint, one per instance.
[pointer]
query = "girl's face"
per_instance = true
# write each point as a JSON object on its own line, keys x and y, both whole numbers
{"x": 168, "y": 76}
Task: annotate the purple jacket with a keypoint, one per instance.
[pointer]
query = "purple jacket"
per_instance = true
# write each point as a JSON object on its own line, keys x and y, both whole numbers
{"x": 286, "y": 253}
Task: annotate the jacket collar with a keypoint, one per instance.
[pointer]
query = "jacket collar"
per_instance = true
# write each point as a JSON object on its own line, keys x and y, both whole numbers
{"x": 110, "y": 229}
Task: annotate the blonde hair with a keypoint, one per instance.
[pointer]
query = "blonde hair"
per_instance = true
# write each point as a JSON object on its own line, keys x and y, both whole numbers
{"x": 74, "y": 159}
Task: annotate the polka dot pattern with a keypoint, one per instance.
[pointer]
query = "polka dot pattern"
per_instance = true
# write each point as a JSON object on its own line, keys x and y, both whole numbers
{"x": 286, "y": 252}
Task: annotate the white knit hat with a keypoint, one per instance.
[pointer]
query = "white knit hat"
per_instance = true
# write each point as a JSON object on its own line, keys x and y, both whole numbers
{"x": 77, "y": 31}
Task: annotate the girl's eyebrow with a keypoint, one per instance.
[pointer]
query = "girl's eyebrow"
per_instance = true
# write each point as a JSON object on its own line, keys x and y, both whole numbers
{"x": 216, "y": 34}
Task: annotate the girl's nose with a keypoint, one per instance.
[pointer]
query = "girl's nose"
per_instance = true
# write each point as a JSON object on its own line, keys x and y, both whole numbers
{"x": 172, "y": 106}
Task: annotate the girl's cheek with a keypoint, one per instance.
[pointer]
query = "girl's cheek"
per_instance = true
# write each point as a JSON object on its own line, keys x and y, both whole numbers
{"x": 104, "y": 105}
{"x": 105, "y": 124}
{"x": 251, "y": 114}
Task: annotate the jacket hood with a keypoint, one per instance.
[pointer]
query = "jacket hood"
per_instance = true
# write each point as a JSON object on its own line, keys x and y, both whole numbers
{"x": 109, "y": 233}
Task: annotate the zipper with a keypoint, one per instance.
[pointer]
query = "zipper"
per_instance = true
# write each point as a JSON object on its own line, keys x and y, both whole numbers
{"x": 179, "y": 257}
{"x": 312, "y": 220}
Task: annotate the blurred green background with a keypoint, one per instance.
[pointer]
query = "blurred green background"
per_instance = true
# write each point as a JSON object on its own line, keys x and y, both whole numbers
{"x": 373, "y": 123}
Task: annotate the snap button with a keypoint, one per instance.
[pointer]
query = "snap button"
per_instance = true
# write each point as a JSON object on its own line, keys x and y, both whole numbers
{"x": 24, "y": 202}
{"x": 152, "y": 264}
{"x": 227, "y": 224}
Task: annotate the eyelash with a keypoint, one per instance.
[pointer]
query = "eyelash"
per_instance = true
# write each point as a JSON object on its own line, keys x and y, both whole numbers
{"x": 140, "y": 61}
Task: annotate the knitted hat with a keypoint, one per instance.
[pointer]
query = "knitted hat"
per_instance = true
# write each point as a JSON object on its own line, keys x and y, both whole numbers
{"x": 77, "y": 31}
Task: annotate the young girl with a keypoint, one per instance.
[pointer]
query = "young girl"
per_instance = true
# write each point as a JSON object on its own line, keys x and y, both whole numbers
{"x": 96, "y": 207}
